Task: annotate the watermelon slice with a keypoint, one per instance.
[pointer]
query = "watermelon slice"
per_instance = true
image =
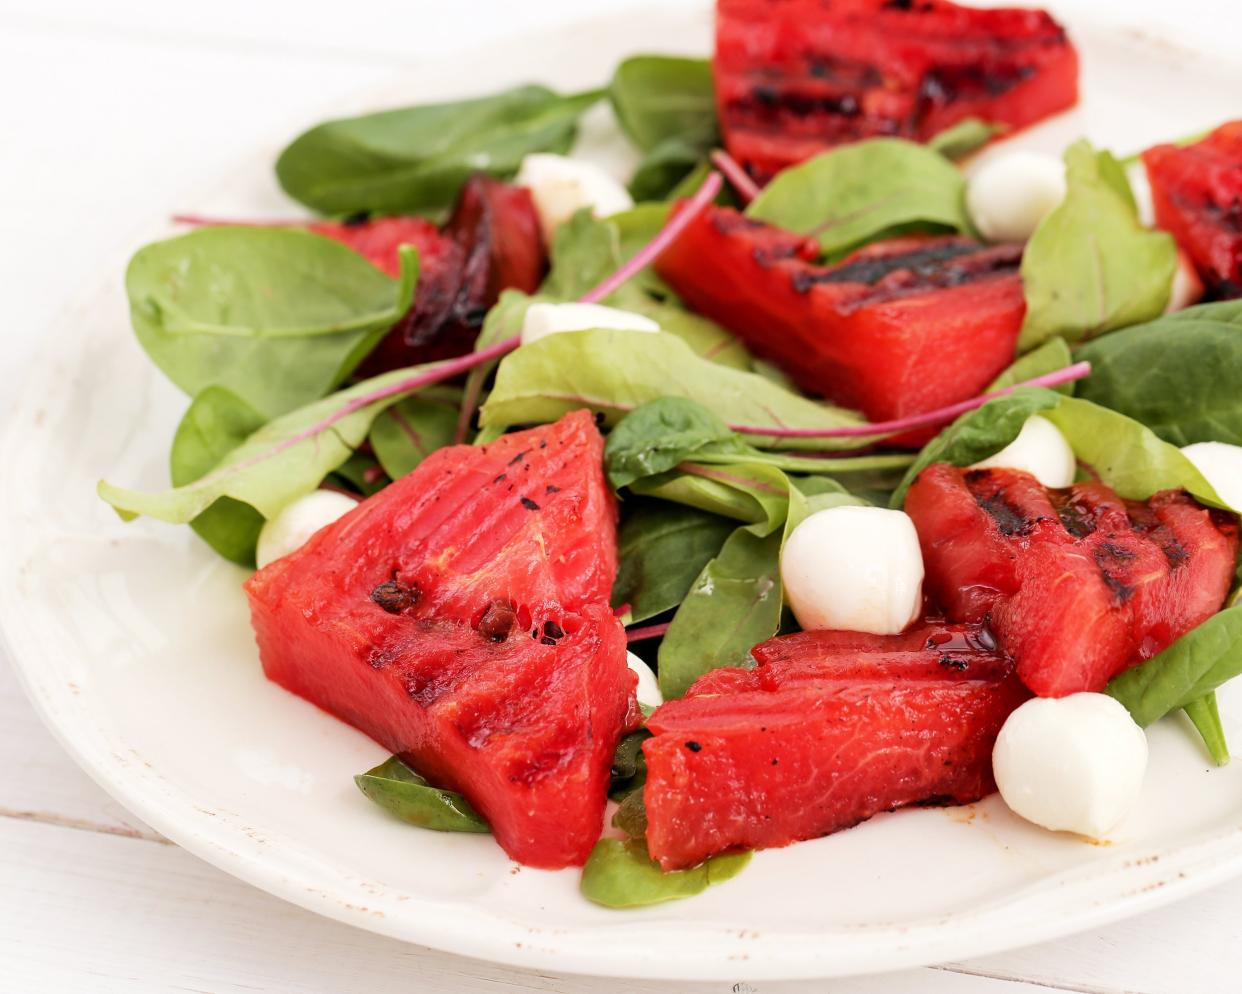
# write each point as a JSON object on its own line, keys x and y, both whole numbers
{"x": 799, "y": 76}
{"x": 1197, "y": 195}
{"x": 900, "y": 327}
{"x": 460, "y": 618}
{"x": 829, "y": 729}
{"x": 1077, "y": 584}
{"x": 491, "y": 242}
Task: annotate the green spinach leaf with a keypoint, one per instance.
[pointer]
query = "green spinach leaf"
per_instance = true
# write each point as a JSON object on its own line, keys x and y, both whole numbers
{"x": 415, "y": 159}
{"x": 848, "y": 196}
{"x": 961, "y": 139}
{"x": 217, "y": 422}
{"x": 1178, "y": 375}
{"x": 408, "y": 432}
{"x": 398, "y": 789}
{"x": 1091, "y": 266}
{"x": 621, "y": 874}
{"x": 1054, "y": 354}
{"x": 278, "y": 316}
{"x": 660, "y": 434}
{"x": 1204, "y": 714}
{"x": 662, "y": 548}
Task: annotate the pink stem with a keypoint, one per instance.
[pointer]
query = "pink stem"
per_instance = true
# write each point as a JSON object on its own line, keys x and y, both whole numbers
{"x": 738, "y": 177}
{"x": 200, "y": 221}
{"x": 1066, "y": 375}
{"x": 469, "y": 402}
{"x": 654, "y": 248}
{"x": 641, "y": 634}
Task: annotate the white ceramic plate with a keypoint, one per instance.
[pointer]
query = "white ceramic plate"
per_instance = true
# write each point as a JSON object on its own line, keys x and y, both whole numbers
{"x": 133, "y": 643}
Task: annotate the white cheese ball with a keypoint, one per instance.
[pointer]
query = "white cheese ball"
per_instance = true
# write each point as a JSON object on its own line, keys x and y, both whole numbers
{"x": 1140, "y": 186}
{"x": 1041, "y": 450}
{"x": 1187, "y": 287}
{"x": 550, "y": 319}
{"x": 1221, "y": 465}
{"x": 291, "y": 528}
{"x": 1011, "y": 194}
{"x": 855, "y": 569}
{"x": 648, "y": 686}
{"x": 561, "y": 186}
{"x": 1071, "y": 764}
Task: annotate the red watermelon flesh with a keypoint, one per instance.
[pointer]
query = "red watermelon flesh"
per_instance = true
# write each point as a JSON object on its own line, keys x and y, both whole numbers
{"x": 1077, "y": 584}
{"x": 796, "y": 77}
{"x": 818, "y": 738}
{"x": 460, "y": 617}
{"x": 1197, "y": 195}
{"x": 900, "y": 327}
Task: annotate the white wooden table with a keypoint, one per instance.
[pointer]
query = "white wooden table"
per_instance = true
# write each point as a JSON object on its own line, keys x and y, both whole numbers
{"x": 110, "y": 113}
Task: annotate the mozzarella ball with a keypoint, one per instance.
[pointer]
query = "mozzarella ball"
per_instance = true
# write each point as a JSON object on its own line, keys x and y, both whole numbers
{"x": 291, "y": 528}
{"x": 648, "y": 686}
{"x": 1221, "y": 465}
{"x": 855, "y": 569}
{"x": 1041, "y": 450}
{"x": 1140, "y": 186}
{"x": 1011, "y": 194}
{"x": 550, "y": 319}
{"x": 1071, "y": 764}
{"x": 561, "y": 186}
{"x": 1187, "y": 287}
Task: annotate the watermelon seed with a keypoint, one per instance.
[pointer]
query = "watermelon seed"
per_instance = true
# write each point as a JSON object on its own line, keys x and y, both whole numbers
{"x": 551, "y": 488}
{"x": 497, "y": 621}
{"x": 529, "y": 504}
{"x": 395, "y": 597}
{"x": 693, "y": 746}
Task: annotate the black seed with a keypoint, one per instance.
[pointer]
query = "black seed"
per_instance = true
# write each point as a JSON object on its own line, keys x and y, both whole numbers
{"x": 395, "y": 597}
{"x": 693, "y": 746}
{"x": 551, "y": 488}
{"x": 948, "y": 662}
{"x": 497, "y": 621}
{"x": 529, "y": 504}
{"x": 499, "y": 478}
{"x": 776, "y": 762}
{"x": 552, "y": 630}
{"x": 518, "y": 458}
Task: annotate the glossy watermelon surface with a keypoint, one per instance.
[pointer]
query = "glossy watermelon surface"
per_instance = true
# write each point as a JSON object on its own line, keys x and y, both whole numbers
{"x": 795, "y": 77}
{"x": 900, "y": 327}
{"x": 1076, "y": 584}
{"x": 826, "y": 731}
{"x": 460, "y": 617}
{"x": 1197, "y": 194}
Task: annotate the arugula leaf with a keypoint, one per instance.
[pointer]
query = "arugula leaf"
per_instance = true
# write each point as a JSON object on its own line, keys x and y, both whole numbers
{"x": 398, "y": 789}
{"x": 616, "y": 371}
{"x": 849, "y": 195}
{"x": 283, "y": 460}
{"x": 620, "y": 874}
{"x": 217, "y": 422}
{"x": 961, "y": 139}
{"x": 1178, "y": 374}
{"x": 1194, "y": 665}
{"x": 278, "y": 316}
{"x": 667, "y": 107}
{"x": 415, "y": 159}
{"x": 661, "y": 549}
{"x": 409, "y": 431}
{"x": 1054, "y": 354}
{"x": 1091, "y": 266}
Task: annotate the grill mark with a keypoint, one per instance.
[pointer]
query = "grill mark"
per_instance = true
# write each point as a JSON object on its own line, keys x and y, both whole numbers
{"x": 1010, "y": 519}
{"x": 939, "y": 266}
{"x": 1105, "y": 555}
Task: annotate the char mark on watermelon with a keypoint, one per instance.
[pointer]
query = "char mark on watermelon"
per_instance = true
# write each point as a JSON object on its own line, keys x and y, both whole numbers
{"x": 471, "y": 634}
{"x": 491, "y": 242}
{"x": 827, "y": 730}
{"x": 1197, "y": 195}
{"x": 796, "y": 77}
{"x": 900, "y": 327}
{"x": 1077, "y": 584}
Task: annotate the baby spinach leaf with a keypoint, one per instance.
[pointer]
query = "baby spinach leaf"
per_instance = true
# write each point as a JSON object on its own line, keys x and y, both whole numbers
{"x": 408, "y": 432}
{"x": 979, "y": 433}
{"x": 1091, "y": 266}
{"x": 629, "y": 767}
{"x": 278, "y": 316}
{"x": 1054, "y": 354}
{"x": 398, "y": 789}
{"x": 1204, "y": 714}
{"x": 616, "y": 371}
{"x": 749, "y": 492}
{"x": 662, "y": 548}
{"x": 667, "y": 165}
{"x": 217, "y": 422}
{"x": 361, "y": 473}
{"x": 1178, "y": 375}
{"x": 621, "y": 874}
{"x": 848, "y": 196}
{"x": 415, "y": 159}
{"x": 962, "y": 138}
{"x": 660, "y": 434}
{"x": 1194, "y": 665}
{"x": 284, "y": 459}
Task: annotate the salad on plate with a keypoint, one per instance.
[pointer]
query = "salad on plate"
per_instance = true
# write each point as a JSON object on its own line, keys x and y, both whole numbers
{"x": 813, "y": 472}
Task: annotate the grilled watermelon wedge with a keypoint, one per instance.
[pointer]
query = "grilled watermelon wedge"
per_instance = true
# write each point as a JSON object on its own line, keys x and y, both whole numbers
{"x": 795, "y": 77}
{"x": 460, "y": 618}
{"x": 1197, "y": 195}
{"x": 1076, "y": 584}
{"x": 897, "y": 328}
{"x": 827, "y": 730}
